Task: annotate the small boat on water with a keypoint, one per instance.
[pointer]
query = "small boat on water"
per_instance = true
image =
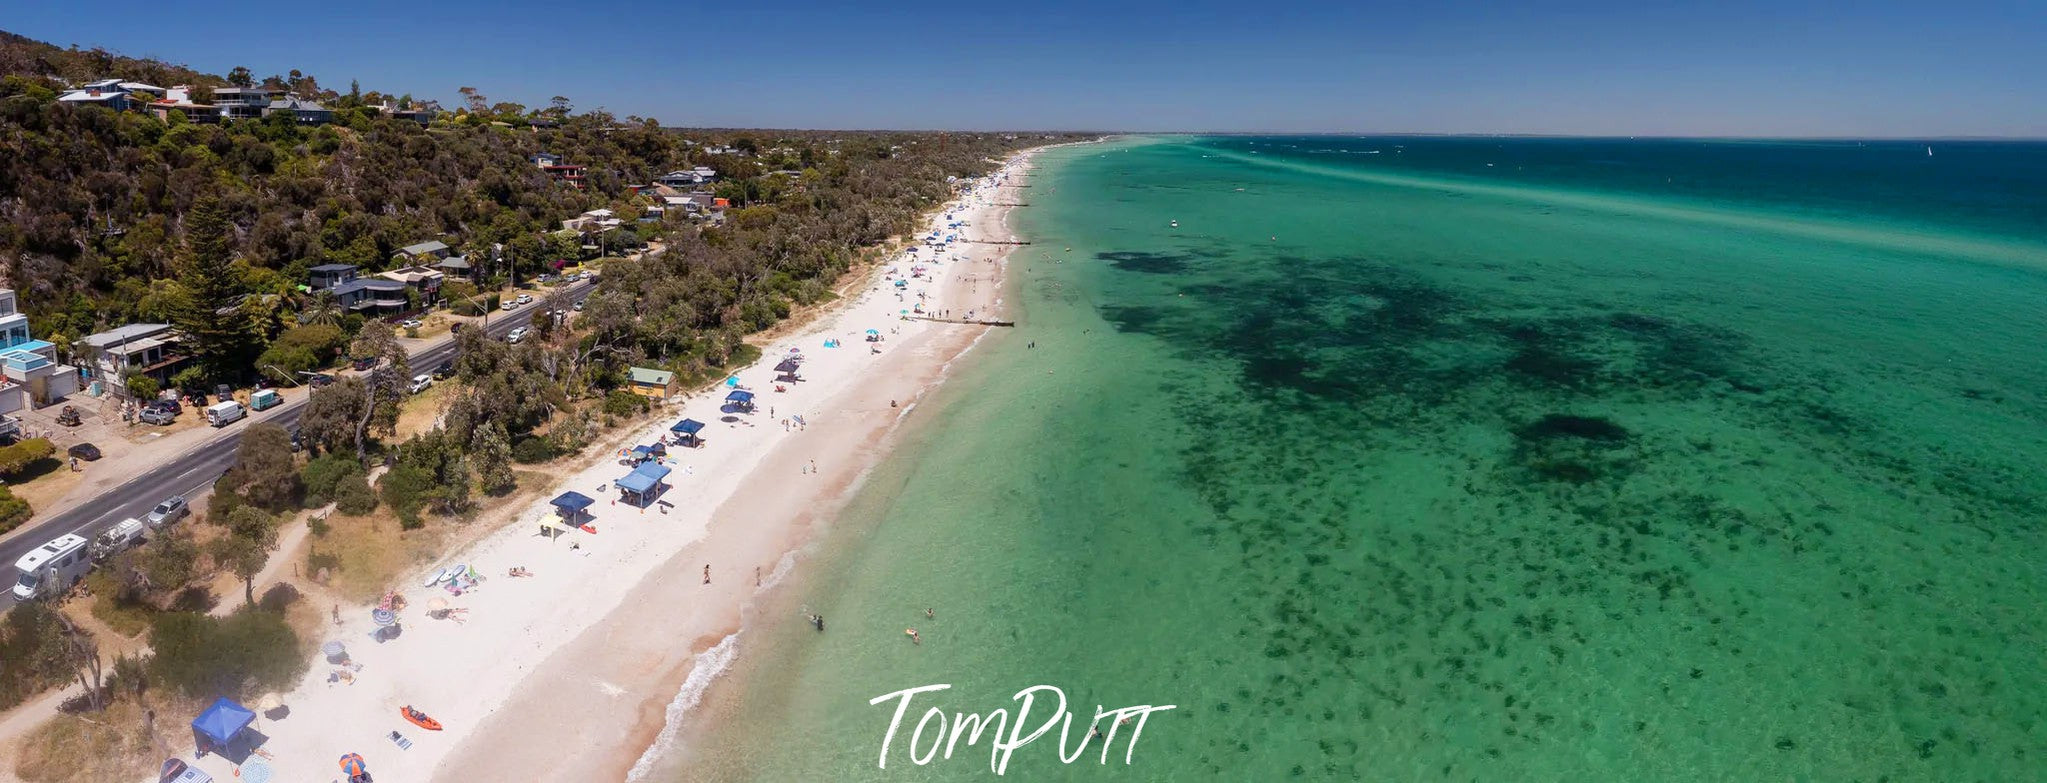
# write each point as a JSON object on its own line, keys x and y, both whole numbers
{"x": 1929, "y": 152}
{"x": 1175, "y": 224}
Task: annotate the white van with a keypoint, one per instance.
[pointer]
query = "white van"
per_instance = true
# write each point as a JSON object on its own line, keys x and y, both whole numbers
{"x": 221, "y": 414}
{"x": 117, "y": 539}
{"x": 50, "y": 570}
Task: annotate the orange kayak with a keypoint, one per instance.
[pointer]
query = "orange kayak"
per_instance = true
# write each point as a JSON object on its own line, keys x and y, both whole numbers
{"x": 419, "y": 719}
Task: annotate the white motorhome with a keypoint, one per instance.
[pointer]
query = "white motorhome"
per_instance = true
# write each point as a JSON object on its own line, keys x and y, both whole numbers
{"x": 50, "y": 570}
{"x": 221, "y": 414}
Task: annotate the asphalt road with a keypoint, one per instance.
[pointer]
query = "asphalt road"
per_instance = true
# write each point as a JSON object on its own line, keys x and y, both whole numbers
{"x": 194, "y": 471}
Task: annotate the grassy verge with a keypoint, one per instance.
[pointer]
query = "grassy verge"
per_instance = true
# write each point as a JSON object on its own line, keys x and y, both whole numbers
{"x": 113, "y": 745}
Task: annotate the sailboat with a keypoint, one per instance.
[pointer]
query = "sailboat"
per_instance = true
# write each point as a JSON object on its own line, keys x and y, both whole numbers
{"x": 1929, "y": 152}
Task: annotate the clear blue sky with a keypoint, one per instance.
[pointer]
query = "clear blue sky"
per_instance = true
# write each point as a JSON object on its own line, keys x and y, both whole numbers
{"x": 1781, "y": 67}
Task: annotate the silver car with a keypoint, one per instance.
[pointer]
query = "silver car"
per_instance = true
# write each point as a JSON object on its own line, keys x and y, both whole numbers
{"x": 171, "y": 510}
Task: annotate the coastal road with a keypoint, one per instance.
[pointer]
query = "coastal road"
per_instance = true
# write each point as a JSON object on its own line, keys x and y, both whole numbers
{"x": 195, "y": 470}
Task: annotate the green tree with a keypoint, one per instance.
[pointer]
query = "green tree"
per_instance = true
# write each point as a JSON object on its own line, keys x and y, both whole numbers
{"x": 384, "y": 386}
{"x": 215, "y": 330}
{"x": 266, "y": 470}
{"x": 490, "y": 449}
{"x": 235, "y": 656}
{"x": 251, "y": 535}
{"x": 240, "y": 76}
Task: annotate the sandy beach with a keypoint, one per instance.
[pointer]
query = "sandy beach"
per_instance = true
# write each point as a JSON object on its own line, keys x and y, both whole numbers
{"x": 570, "y": 674}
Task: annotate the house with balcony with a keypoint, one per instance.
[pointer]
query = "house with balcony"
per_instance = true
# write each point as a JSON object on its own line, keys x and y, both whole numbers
{"x": 179, "y": 99}
{"x": 373, "y": 296}
{"x": 115, "y": 355}
{"x": 557, "y": 170}
{"x": 325, "y": 276}
{"x": 457, "y": 266}
{"x": 423, "y": 253}
{"x": 243, "y": 103}
{"x": 423, "y": 278}
{"x": 29, "y": 371}
{"x": 305, "y": 111}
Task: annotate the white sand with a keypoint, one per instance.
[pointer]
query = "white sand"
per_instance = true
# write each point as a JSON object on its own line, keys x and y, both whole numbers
{"x": 567, "y": 675}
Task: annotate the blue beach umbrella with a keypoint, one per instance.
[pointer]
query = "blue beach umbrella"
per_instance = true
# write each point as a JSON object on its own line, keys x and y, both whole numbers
{"x": 874, "y": 331}
{"x": 731, "y": 381}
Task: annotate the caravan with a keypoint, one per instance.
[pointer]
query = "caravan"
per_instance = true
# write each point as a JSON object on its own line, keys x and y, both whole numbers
{"x": 50, "y": 570}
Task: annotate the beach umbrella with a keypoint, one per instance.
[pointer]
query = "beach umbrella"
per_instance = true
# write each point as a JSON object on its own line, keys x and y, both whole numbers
{"x": 731, "y": 381}
{"x": 383, "y": 617}
{"x": 874, "y": 331}
{"x": 352, "y": 766}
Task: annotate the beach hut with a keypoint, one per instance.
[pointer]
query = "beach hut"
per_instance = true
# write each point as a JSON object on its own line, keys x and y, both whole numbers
{"x": 657, "y": 384}
{"x": 573, "y": 508}
{"x": 686, "y": 432}
{"x": 643, "y": 485}
{"x": 223, "y": 729}
{"x": 739, "y": 399}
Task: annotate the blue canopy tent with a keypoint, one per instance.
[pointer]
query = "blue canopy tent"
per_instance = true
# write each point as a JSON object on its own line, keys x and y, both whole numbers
{"x": 219, "y": 729}
{"x": 570, "y": 505}
{"x": 740, "y": 399}
{"x": 643, "y": 485}
{"x": 686, "y": 431}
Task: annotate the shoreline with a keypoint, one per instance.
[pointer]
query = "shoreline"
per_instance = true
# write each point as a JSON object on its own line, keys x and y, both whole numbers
{"x": 546, "y": 674}
{"x": 650, "y": 685}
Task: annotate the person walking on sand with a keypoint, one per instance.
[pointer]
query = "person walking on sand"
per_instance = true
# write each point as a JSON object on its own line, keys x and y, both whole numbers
{"x": 707, "y": 573}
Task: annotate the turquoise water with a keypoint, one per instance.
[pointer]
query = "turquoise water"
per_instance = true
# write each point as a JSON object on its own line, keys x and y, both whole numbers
{"x": 1626, "y": 461}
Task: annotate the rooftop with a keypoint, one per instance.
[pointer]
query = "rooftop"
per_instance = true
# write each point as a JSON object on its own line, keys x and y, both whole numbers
{"x": 124, "y": 334}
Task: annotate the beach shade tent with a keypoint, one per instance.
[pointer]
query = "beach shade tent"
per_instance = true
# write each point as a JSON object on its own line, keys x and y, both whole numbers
{"x": 686, "y": 431}
{"x": 786, "y": 370}
{"x": 740, "y": 399}
{"x": 223, "y": 729}
{"x": 643, "y": 484}
{"x": 571, "y": 505}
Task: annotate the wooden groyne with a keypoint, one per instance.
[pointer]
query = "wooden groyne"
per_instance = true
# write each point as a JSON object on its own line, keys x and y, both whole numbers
{"x": 961, "y": 321}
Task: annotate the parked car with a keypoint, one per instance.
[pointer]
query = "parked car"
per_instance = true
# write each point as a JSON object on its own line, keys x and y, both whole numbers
{"x": 524, "y": 299}
{"x": 84, "y": 451}
{"x": 223, "y": 391}
{"x": 172, "y": 509}
{"x": 157, "y": 415}
{"x": 419, "y": 383}
{"x": 318, "y": 379}
{"x": 508, "y": 305}
{"x": 516, "y": 335}
{"x": 456, "y": 327}
{"x": 411, "y": 323}
{"x": 445, "y": 370}
{"x": 364, "y": 363}
{"x": 579, "y": 305}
